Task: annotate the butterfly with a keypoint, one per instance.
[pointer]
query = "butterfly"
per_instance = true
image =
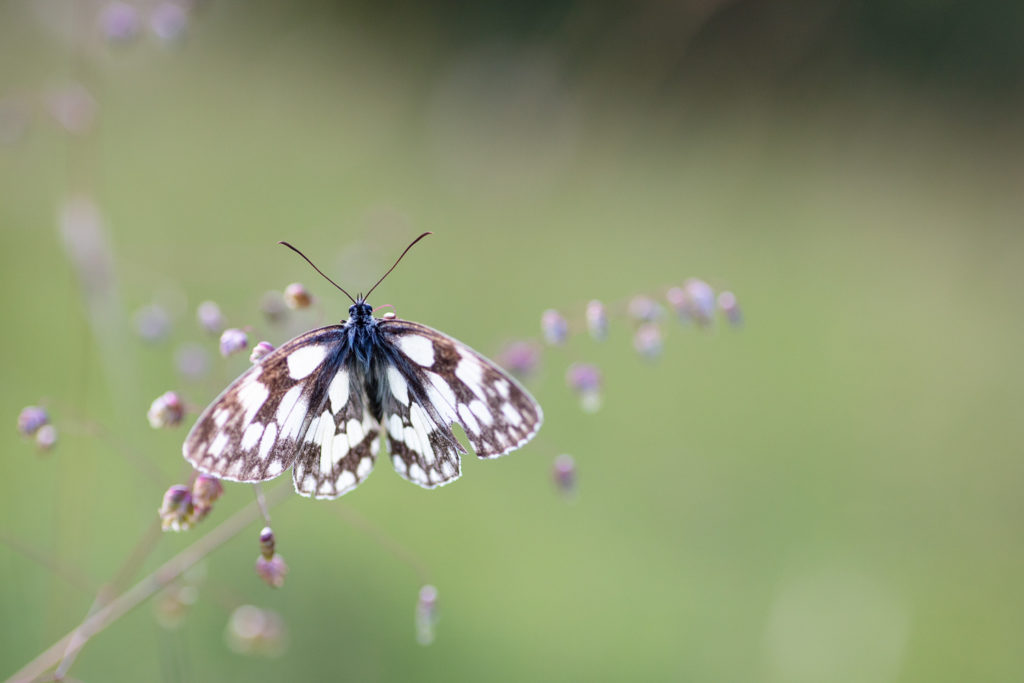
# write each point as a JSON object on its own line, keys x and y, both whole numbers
{"x": 319, "y": 402}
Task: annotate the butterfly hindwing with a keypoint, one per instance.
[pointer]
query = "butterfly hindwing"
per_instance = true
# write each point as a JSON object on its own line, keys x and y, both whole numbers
{"x": 253, "y": 430}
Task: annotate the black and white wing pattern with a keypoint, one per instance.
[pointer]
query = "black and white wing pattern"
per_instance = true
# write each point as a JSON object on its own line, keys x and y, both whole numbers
{"x": 434, "y": 381}
{"x": 255, "y": 428}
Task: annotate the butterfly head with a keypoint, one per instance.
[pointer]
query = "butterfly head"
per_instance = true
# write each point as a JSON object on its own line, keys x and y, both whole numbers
{"x": 360, "y": 311}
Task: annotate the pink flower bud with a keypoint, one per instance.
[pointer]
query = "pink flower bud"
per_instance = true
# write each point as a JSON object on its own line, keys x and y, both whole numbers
{"x": 260, "y": 351}
{"x": 597, "y": 320}
{"x": 167, "y": 410}
{"x": 30, "y": 419}
{"x": 554, "y": 327}
{"x": 232, "y": 341}
{"x": 297, "y": 297}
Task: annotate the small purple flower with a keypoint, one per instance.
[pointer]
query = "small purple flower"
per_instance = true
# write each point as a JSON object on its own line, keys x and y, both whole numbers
{"x": 644, "y": 309}
{"x": 210, "y": 317}
{"x": 597, "y": 320}
{"x": 426, "y": 615}
{"x": 167, "y": 410}
{"x": 273, "y": 307}
{"x": 260, "y": 351}
{"x": 119, "y": 22}
{"x": 232, "y": 341}
{"x": 176, "y": 512}
{"x": 701, "y": 300}
{"x": 168, "y": 22}
{"x": 31, "y": 419}
{"x": 564, "y": 473}
{"x": 206, "y": 489}
{"x": 272, "y": 570}
{"x": 46, "y": 437}
{"x": 585, "y": 380}
{"x": 193, "y": 361}
{"x": 152, "y": 323}
{"x": 727, "y": 303}
{"x": 255, "y": 631}
{"x": 647, "y": 340}
{"x": 554, "y": 327}
{"x": 520, "y": 358}
{"x": 297, "y": 297}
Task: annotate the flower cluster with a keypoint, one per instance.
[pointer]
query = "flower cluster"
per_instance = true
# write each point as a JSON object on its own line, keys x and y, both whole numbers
{"x": 255, "y": 631}
{"x": 183, "y": 507}
{"x": 34, "y": 422}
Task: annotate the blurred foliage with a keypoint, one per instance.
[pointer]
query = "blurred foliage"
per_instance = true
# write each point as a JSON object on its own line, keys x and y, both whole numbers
{"x": 828, "y": 494}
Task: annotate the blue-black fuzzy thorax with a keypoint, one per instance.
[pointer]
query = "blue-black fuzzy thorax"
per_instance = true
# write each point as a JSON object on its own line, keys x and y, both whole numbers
{"x": 363, "y": 334}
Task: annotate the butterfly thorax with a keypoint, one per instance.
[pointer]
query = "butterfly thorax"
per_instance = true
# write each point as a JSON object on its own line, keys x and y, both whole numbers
{"x": 362, "y": 332}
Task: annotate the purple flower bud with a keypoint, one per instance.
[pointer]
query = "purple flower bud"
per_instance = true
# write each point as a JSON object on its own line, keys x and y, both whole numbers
{"x": 597, "y": 320}
{"x": 272, "y": 570}
{"x": 74, "y": 108}
{"x": 267, "y": 542}
{"x": 644, "y": 309}
{"x": 520, "y": 358}
{"x": 176, "y": 511}
{"x": 297, "y": 297}
{"x": 193, "y": 361}
{"x": 152, "y": 323}
{"x": 554, "y": 327}
{"x": 731, "y": 309}
{"x": 701, "y": 300}
{"x": 31, "y": 419}
{"x": 260, "y": 351}
{"x": 232, "y": 341}
{"x": 255, "y": 631}
{"x": 168, "y": 22}
{"x": 210, "y": 318}
{"x": 564, "y": 473}
{"x": 426, "y": 615}
{"x": 273, "y": 307}
{"x": 46, "y": 437}
{"x": 647, "y": 340}
{"x": 166, "y": 411}
{"x": 206, "y": 489}
{"x": 119, "y": 22}
{"x": 585, "y": 380}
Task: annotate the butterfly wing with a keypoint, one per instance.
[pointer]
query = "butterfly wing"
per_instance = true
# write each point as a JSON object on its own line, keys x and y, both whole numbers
{"x": 254, "y": 429}
{"x": 435, "y": 381}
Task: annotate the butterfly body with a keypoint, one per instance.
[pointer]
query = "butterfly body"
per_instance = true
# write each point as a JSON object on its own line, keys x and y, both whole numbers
{"x": 319, "y": 402}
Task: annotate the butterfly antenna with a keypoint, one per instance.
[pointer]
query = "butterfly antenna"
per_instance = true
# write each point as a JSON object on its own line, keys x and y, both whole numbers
{"x": 396, "y": 263}
{"x": 320, "y": 271}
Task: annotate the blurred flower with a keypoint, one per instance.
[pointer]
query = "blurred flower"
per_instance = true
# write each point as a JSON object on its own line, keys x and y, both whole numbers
{"x": 176, "y": 511}
{"x": 554, "y": 327}
{"x": 694, "y": 300}
{"x": 426, "y": 615}
{"x": 520, "y": 358}
{"x": 46, "y": 437}
{"x": 297, "y": 297}
{"x": 73, "y": 107}
{"x": 210, "y": 318}
{"x": 152, "y": 323}
{"x": 168, "y": 22}
{"x": 597, "y": 320}
{"x": 31, "y": 419}
{"x": 564, "y": 473}
{"x": 119, "y": 22}
{"x": 193, "y": 361}
{"x": 88, "y": 248}
{"x": 585, "y": 380}
{"x": 270, "y": 566}
{"x": 255, "y": 631}
{"x": 273, "y": 307}
{"x": 647, "y": 340}
{"x": 232, "y": 341}
{"x": 644, "y": 309}
{"x": 731, "y": 309}
{"x": 15, "y": 117}
{"x": 259, "y": 351}
{"x": 166, "y": 411}
{"x": 206, "y": 489}
{"x": 173, "y": 603}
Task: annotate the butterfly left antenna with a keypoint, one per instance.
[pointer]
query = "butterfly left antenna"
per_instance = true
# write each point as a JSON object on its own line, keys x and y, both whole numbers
{"x": 322, "y": 272}
{"x": 396, "y": 263}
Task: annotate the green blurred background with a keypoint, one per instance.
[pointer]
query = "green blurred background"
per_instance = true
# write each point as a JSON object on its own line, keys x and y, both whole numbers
{"x": 831, "y": 493}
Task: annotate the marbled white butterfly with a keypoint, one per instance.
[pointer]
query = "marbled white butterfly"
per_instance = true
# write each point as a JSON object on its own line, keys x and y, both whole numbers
{"x": 318, "y": 404}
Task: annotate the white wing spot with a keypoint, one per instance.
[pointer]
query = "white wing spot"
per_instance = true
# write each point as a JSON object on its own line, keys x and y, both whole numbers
{"x": 217, "y": 447}
{"x": 309, "y": 483}
{"x": 399, "y": 464}
{"x": 419, "y": 349}
{"x": 502, "y": 386}
{"x": 442, "y": 396}
{"x": 284, "y": 408}
{"x": 511, "y": 414}
{"x": 417, "y": 474}
{"x": 338, "y": 393}
{"x": 480, "y": 410}
{"x": 395, "y": 427}
{"x": 234, "y": 469}
{"x": 346, "y": 480}
{"x": 275, "y": 468}
{"x": 267, "y": 442}
{"x": 313, "y": 433}
{"x": 305, "y": 359}
{"x": 468, "y": 419}
{"x": 471, "y": 372}
{"x": 325, "y": 486}
{"x": 252, "y": 435}
{"x": 354, "y": 430}
{"x": 399, "y": 387}
{"x": 252, "y": 396}
{"x": 447, "y": 469}
{"x": 220, "y": 417}
{"x": 365, "y": 465}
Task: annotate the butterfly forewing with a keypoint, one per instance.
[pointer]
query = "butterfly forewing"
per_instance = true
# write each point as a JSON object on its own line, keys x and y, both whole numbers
{"x": 252, "y": 431}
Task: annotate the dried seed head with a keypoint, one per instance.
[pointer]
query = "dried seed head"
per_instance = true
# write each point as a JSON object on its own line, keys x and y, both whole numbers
{"x": 210, "y": 317}
{"x": 167, "y": 410}
{"x": 564, "y": 473}
{"x": 520, "y": 358}
{"x": 297, "y": 297}
{"x": 176, "y": 512}
{"x": 272, "y": 570}
{"x": 232, "y": 341}
{"x": 152, "y": 323}
{"x": 255, "y": 631}
{"x": 426, "y": 615}
{"x": 46, "y": 437}
{"x": 644, "y": 309}
{"x": 647, "y": 340}
{"x": 168, "y": 22}
{"x": 206, "y": 489}
{"x": 585, "y": 380}
{"x": 119, "y": 22}
{"x": 260, "y": 351}
{"x": 31, "y": 419}
{"x": 597, "y": 320}
{"x": 273, "y": 307}
{"x": 554, "y": 327}
{"x": 727, "y": 303}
